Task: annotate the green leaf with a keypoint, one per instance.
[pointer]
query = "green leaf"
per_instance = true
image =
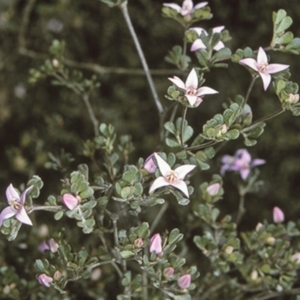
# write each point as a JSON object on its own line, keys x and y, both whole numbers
{"x": 172, "y": 143}
{"x": 126, "y": 254}
{"x": 222, "y": 54}
{"x": 169, "y": 126}
{"x": 58, "y": 215}
{"x": 187, "y": 134}
{"x": 285, "y": 23}
{"x": 285, "y": 39}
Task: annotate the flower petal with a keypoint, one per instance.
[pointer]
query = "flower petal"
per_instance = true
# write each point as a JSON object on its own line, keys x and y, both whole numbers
{"x": 24, "y": 193}
{"x": 198, "y": 30}
{"x": 192, "y": 79}
{"x": 198, "y": 44}
{"x": 173, "y": 6}
{"x": 250, "y": 62}
{"x": 245, "y": 173}
{"x": 243, "y": 155}
{"x": 262, "y": 57}
{"x": 183, "y": 170}
{"x": 200, "y": 5}
{"x": 192, "y": 99}
{"x": 257, "y": 162}
{"x": 274, "y": 68}
{"x": 266, "y": 78}
{"x": 218, "y": 29}
{"x": 12, "y": 194}
{"x": 6, "y": 213}
{"x": 22, "y": 216}
{"x": 204, "y": 90}
{"x": 178, "y": 82}
{"x": 163, "y": 166}
{"x": 181, "y": 185}
{"x": 158, "y": 183}
{"x": 219, "y": 46}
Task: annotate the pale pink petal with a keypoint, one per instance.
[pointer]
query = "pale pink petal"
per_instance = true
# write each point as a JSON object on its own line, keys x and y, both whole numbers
{"x": 213, "y": 189}
{"x": 162, "y": 165}
{"x": 200, "y": 5}
{"x": 204, "y": 90}
{"x": 243, "y": 155}
{"x": 181, "y": 185}
{"x": 184, "y": 281}
{"x": 218, "y": 29}
{"x": 69, "y": 201}
{"x": 198, "y": 30}
{"x": 257, "y": 162}
{"x": 156, "y": 244}
{"x": 22, "y": 216}
{"x": 178, "y": 82}
{"x": 274, "y": 68}
{"x": 12, "y": 194}
{"x": 6, "y": 213}
{"x": 250, "y": 62}
{"x": 158, "y": 183}
{"x": 198, "y": 44}
{"x": 266, "y": 78}
{"x": 183, "y": 170}
{"x": 192, "y": 79}
{"x": 278, "y": 215}
{"x": 192, "y": 99}
{"x": 219, "y": 46}
{"x": 262, "y": 57}
{"x": 245, "y": 173}
{"x": 45, "y": 280}
{"x": 24, "y": 193}
{"x": 173, "y": 6}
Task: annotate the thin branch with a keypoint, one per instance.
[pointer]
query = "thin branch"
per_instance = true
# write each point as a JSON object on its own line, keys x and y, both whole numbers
{"x": 159, "y": 216}
{"x": 85, "y": 98}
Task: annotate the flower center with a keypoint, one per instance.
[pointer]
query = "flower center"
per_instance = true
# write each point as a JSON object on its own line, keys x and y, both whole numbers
{"x": 171, "y": 177}
{"x": 263, "y": 68}
{"x": 191, "y": 90}
{"x": 15, "y": 204}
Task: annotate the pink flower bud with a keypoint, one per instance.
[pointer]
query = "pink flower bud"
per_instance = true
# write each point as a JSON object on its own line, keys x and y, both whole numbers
{"x": 168, "y": 272}
{"x": 50, "y": 245}
{"x": 149, "y": 164}
{"x": 138, "y": 243}
{"x": 45, "y": 280}
{"x": 156, "y": 244}
{"x": 258, "y": 226}
{"x": 69, "y": 201}
{"x": 278, "y": 215}
{"x": 184, "y": 281}
{"x": 213, "y": 189}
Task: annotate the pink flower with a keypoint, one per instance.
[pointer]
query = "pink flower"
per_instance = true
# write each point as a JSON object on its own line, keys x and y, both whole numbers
{"x": 138, "y": 243}
{"x": 184, "y": 281}
{"x": 69, "y": 201}
{"x": 213, "y": 189}
{"x": 187, "y": 7}
{"x": 50, "y": 245}
{"x": 45, "y": 280}
{"x": 262, "y": 67}
{"x": 198, "y": 44}
{"x": 156, "y": 244}
{"x": 278, "y": 215}
{"x": 240, "y": 162}
{"x": 171, "y": 177}
{"x": 149, "y": 164}
{"x": 16, "y": 208}
{"x": 190, "y": 87}
{"x": 168, "y": 272}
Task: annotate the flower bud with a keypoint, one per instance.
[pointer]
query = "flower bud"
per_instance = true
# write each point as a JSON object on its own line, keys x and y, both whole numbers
{"x": 213, "y": 189}
{"x": 138, "y": 243}
{"x": 45, "y": 280}
{"x": 184, "y": 281}
{"x": 258, "y": 226}
{"x": 278, "y": 215}
{"x": 229, "y": 249}
{"x": 296, "y": 257}
{"x": 69, "y": 201}
{"x": 57, "y": 275}
{"x": 156, "y": 244}
{"x": 254, "y": 275}
{"x": 270, "y": 240}
{"x": 168, "y": 272}
{"x": 293, "y": 98}
{"x": 149, "y": 164}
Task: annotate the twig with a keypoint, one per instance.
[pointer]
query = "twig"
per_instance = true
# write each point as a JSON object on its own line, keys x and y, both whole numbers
{"x": 159, "y": 216}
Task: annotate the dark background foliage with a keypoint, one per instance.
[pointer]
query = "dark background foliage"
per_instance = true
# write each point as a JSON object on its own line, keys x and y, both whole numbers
{"x": 41, "y": 118}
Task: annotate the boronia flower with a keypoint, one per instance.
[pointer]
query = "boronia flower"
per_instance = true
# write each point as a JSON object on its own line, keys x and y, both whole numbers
{"x": 156, "y": 244}
{"x": 240, "y": 162}
{"x": 187, "y": 7}
{"x": 198, "y": 44}
{"x": 184, "y": 281}
{"x": 16, "y": 206}
{"x": 45, "y": 280}
{"x": 69, "y": 201}
{"x": 171, "y": 177}
{"x": 149, "y": 164}
{"x": 190, "y": 87}
{"x": 261, "y": 66}
{"x": 213, "y": 189}
{"x": 278, "y": 215}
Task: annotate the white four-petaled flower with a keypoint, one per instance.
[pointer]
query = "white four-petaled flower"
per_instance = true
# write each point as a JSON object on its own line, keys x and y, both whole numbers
{"x": 16, "y": 206}
{"x": 198, "y": 44}
{"x": 187, "y": 7}
{"x": 190, "y": 87}
{"x": 171, "y": 177}
{"x": 262, "y": 67}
